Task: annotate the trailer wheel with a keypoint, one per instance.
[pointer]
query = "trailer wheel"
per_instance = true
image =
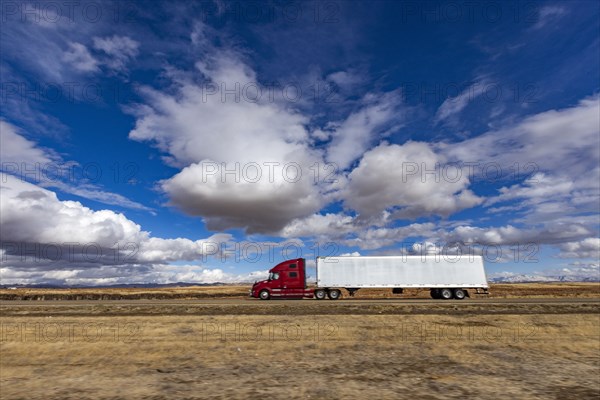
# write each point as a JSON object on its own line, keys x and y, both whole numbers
{"x": 320, "y": 294}
{"x": 334, "y": 294}
{"x": 459, "y": 294}
{"x": 435, "y": 293}
{"x": 264, "y": 295}
{"x": 446, "y": 294}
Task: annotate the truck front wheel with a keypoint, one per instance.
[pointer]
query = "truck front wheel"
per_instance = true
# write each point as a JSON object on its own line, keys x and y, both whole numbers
{"x": 334, "y": 294}
{"x": 320, "y": 294}
{"x": 264, "y": 295}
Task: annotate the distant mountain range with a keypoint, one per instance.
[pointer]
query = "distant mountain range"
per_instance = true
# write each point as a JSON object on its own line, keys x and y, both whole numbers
{"x": 123, "y": 285}
{"x": 523, "y": 278}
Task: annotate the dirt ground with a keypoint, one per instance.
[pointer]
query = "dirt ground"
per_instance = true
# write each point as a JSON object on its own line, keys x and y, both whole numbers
{"x": 537, "y": 348}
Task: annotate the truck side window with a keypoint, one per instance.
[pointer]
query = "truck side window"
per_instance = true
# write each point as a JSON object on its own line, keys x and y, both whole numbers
{"x": 292, "y": 265}
{"x": 273, "y": 276}
{"x": 293, "y": 275}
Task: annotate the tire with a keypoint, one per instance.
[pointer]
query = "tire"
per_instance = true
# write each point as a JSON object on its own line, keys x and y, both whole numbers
{"x": 334, "y": 294}
{"x": 446, "y": 294}
{"x": 435, "y": 293}
{"x": 459, "y": 294}
{"x": 320, "y": 294}
{"x": 264, "y": 295}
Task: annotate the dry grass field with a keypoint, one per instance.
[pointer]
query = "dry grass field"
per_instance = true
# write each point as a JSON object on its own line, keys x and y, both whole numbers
{"x": 304, "y": 349}
{"x": 301, "y": 357}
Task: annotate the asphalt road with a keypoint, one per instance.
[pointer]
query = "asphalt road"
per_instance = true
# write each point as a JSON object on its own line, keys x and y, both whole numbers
{"x": 297, "y": 303}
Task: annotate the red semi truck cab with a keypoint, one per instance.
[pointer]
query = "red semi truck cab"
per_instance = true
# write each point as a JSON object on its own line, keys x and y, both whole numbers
{"x": 286, "y": 280}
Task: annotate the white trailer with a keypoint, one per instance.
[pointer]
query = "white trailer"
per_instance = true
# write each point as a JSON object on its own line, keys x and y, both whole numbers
{"x": 446, "y": 276}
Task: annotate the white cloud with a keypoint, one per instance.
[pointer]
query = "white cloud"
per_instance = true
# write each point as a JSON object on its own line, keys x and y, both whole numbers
{"x": 544, "y": 197}
{"x": 375, "y": 238}
{"x": 394, "y": 177}
{"x": 345, "y": 80}
{"x": 201, "y": 123}
{"x": 554, "y": 152}
{"x": 329, "y": 225}
{"x": 120, "y": 50}
{"x": 454, "y": 105}
{"x": 556, "y": 141}
{"x": 31, "y": 215}
{"x": 15, "y": 149}
{"x": 377, "y": 117}
{"x": 80, "y": 58}
{"x": 427, "y": 248}
{"x": 213, "y": 114}
{"x": 586, "y": 248}
{"x": 551, "y": 233}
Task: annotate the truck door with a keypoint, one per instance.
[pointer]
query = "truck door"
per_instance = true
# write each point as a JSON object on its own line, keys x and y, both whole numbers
{"x": 293, "y": 280}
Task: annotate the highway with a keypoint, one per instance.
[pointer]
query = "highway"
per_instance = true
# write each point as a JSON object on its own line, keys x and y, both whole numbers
{"x": 295, "y": 302}
{"x": 247, "y": 306}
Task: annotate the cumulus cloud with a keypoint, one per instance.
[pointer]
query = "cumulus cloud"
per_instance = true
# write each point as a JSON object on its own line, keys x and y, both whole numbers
{"x": 554, "y": 155}
{"x": 261, "y": 206}
{"x": 264, "y": 144}
{"x": 375, "y": 238}
{"x": 222, "y": 113}
{"x": 46, "y": 240}
{"x": 407, "y": 179}
{"x": 34, "y": 220}
{"x": 556, "y": 141}
{"x": 552, "y": 233}
{"x": 377, "y": 116}
{"x": 343, "y": 229}
{"x": 586, "y": 248}
{"x": 330, "y": 225}
{"x": 201, "y": 124}
{"x": 544, "y": 197}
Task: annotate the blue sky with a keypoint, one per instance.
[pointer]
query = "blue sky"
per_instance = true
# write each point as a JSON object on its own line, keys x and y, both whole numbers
{"x": 170, "y": 143}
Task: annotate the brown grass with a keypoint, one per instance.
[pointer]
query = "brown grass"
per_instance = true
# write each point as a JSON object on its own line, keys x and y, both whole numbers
{"x": 301, "y": 357}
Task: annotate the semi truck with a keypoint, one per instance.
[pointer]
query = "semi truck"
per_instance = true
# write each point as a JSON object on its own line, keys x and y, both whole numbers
{"x": 446, "y": 277}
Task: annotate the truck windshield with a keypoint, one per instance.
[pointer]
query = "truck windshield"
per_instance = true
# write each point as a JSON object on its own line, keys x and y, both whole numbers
{"x": 273, "y": 276}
